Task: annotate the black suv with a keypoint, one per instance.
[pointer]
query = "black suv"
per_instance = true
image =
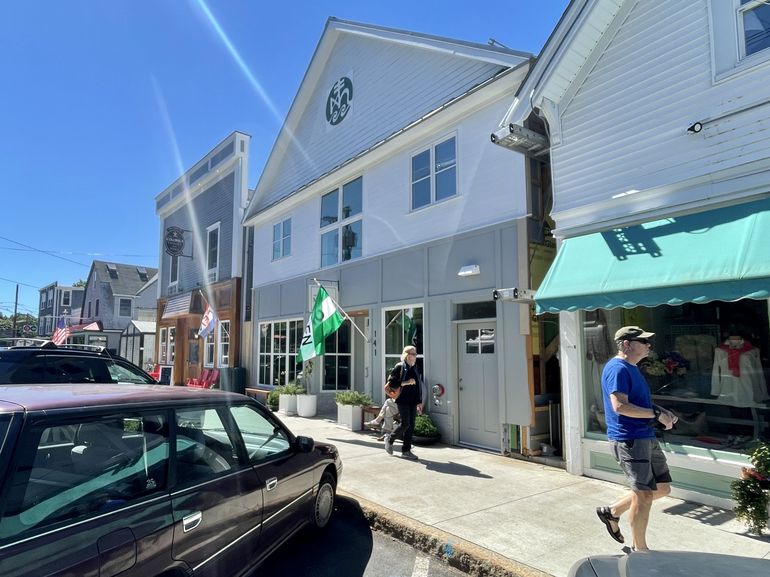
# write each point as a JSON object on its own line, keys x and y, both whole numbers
{"x": 49, "y": 363}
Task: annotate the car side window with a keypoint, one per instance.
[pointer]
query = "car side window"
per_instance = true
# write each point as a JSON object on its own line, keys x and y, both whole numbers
{"x": 121, "y": 372}
{"x": 72, "y": 369}
{"x": 15, "y": 369}
{"x": 263, "y": 438}
{"x": 204, "y": 449}
{"x": 70, "y": 471}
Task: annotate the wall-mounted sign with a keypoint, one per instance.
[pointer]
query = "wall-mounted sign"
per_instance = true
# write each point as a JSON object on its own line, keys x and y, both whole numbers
{"x": 340, "y": 100}
{"x": 174, "y": 241}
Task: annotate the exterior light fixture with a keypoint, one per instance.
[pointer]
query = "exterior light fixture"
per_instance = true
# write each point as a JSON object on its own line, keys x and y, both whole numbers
{"x": 694, "y": 128}
{"x": 469, "y": 270}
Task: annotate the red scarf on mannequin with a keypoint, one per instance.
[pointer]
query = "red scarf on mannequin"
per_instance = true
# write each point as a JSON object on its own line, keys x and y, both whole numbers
{"x": 734, "y": 356}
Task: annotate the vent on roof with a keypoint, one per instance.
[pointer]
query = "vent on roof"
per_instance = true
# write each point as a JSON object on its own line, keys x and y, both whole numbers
{"x": 113, "y": 270}
{"x": 142, "y": 273}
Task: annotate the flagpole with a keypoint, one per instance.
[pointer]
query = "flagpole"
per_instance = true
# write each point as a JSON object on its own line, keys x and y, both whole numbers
{"x": 339, "y": 308}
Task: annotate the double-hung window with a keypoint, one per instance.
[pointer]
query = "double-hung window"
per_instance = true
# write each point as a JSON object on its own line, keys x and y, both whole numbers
{"x": 66, "y": 298}
{"x": 434, "y": 173}
{"x": 282, "y": 239}
{"x": 173, "y": 279}
{"x": 341, "y": 223}
{"x": 278, "y": 345}
{"x": 212, "y": 252}
{"x": 740, "y": 32}
{"x": 209, "y": 350}
{"x": 124, "y": 309}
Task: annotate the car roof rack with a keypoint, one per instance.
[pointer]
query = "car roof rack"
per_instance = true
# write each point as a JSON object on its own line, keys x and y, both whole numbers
{"x": 19, "y": 342}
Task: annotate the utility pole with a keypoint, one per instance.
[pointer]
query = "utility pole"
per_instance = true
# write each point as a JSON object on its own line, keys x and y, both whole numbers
{"x": 15, "y": 308}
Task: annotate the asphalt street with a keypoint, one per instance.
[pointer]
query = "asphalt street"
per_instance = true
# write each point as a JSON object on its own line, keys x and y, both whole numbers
{"x": 349, "y": 548}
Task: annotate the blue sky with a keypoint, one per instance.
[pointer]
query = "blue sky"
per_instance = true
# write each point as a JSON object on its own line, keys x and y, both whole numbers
{"x": 104, "y": 103}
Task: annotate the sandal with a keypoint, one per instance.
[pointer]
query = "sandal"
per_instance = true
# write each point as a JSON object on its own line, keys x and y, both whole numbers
{"x": 606, "y": 517}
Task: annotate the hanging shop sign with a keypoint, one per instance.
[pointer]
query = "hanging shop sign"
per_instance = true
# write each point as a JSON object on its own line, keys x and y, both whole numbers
{"x": 174, "y": 241}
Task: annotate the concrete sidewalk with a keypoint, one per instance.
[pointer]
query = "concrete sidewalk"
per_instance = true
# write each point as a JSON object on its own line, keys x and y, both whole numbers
{"x": 495, "y": 515}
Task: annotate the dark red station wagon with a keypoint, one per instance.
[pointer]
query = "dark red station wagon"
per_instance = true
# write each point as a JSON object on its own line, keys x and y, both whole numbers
{"x": 101, "y": 480}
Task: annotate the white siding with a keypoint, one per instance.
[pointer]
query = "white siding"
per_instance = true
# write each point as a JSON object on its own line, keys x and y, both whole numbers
{"x": 625, "y": 129}
{"x": 491, "y": 187}
{"x": 393, "y": 85}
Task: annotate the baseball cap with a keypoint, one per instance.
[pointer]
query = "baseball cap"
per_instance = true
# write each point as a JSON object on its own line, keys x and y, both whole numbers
{"x": 632, "y": 332}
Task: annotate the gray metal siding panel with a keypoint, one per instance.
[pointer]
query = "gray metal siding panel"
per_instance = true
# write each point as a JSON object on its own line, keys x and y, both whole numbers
{"x": 403, "y": 276}
{"x": 293, "y": 298}
{"x": 383, "y": 74}
{"x": 214, "y": 205}
{"x": 361, "y": 282}
{"x": 446, "y": 259}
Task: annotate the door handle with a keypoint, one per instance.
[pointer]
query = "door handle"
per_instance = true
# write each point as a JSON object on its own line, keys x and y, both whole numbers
{"x": 271, "y": 483}
{"x": 191, "y": 521}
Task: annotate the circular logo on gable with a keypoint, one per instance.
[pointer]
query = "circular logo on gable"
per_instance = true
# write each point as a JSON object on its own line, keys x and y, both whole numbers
{"x": 340, "y": 100}
{"x": 174, "y": 241}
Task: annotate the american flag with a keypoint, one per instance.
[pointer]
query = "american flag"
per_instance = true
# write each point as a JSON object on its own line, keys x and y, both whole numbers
{"x": 61, "y": 333}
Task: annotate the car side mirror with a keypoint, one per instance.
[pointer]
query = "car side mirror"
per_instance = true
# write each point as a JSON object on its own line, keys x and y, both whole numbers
{"x": 305, "y": 444}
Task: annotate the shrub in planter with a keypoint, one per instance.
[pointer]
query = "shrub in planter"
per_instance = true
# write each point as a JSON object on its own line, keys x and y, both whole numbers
{"x": 287, "y": 399}
{"x": 425, "y": 430}
{"x": 355, "y": 398}
{"x": 272, "y": 398}
{"x": 751, "y": 492}
{"x": 349, "y": 408}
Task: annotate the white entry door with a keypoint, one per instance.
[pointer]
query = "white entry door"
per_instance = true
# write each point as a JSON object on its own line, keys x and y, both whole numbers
{"x": 478, "y": 385}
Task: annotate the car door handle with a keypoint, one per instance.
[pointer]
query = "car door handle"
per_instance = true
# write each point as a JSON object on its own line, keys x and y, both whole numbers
{"x": 191, "y": 521}
{"x": 271, "y": 483}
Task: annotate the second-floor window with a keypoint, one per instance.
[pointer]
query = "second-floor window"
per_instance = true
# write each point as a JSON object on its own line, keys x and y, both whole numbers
{"x": 341, "y": 223}
{"x": 434, "y": 174}
{"x": 212, "y": 252}
{"x": 125, "y": 308}
{"x": 753, "y": 26}
{"x": 174, "y": 274}
{"x": 96, "y": 309}
{"x": 282, "y": 239}
{"x": 65, "y": 298}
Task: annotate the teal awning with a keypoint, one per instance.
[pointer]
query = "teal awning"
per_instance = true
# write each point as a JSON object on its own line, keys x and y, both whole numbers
{"x": 721, "y": 254}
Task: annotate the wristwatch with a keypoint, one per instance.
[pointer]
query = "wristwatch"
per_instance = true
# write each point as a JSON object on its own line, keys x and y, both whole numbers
{"x": 656, "y": 411}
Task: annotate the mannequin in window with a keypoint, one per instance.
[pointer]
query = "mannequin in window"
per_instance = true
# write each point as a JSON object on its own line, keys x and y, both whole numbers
{"x": 737, "y": 377}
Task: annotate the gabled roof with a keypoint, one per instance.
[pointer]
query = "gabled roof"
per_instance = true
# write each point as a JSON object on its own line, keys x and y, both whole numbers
{"x": 124, "y": 279}
{"x": 568, "y": 55}
{"x": 491, "y": 60}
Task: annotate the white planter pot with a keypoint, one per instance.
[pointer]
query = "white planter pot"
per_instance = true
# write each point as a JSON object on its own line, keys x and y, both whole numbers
{"x": 287, "y": 404}
{"x": 349, "y": 416}
{"x": 307, "y": 405}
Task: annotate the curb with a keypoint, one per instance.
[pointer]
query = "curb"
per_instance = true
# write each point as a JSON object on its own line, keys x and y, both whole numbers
{"x": 455, "y": 551}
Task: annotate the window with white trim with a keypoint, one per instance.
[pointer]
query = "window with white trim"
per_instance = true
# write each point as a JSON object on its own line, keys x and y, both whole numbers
{"x": 209, "y": 350}
{"x": 753, "y": 26}
{"x": 124, "y": 308}
{"x": 740, "y": 35}
{"x": 224, "y": 343}
{"x": 66, "y": 298}
{"x": 162, "y": 353}
{"x": 282, "y": 239}
{"x": 342, "y": 223}
{"x": 173, "y": 277}
{"x": 434, "y": 174}
{"x": 338, "y": 359}
{"x": 278, "y": 345}
{"x": 403, "y": 326}
{"x": 212, "y": 252}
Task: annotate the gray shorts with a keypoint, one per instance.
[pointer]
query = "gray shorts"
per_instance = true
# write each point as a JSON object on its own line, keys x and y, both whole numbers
{"x": 643, "y": 463}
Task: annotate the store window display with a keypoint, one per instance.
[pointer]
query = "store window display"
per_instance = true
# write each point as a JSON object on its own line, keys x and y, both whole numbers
{"x": 708, "y": 364}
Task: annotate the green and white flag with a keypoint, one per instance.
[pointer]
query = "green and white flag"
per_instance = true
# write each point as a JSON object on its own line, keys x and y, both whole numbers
{"x": 324, "y": 320}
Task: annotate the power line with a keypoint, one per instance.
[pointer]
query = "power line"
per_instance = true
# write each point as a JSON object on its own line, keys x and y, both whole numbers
{"x": 20, "y": 283}
{"x": 49, "y": 253}
{"x": 55, "y": 252}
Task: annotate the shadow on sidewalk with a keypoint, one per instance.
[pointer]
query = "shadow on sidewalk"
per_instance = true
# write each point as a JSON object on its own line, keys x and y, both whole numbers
{"x": 706, "y": 514}
{"x": 453, "y": 469}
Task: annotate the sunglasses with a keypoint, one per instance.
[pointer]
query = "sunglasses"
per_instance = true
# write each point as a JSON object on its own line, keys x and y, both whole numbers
{"x": 643, "y": 341}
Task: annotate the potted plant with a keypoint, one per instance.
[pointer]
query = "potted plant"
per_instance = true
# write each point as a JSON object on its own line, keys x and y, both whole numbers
{"x": 273, "y": 398}
{"x": 349, "y": 408}
{"x": 751, "y": 492}
{"x": 287, "y": 398}
{"x": 307, "y": 403}
{"x": 425, "y": 430}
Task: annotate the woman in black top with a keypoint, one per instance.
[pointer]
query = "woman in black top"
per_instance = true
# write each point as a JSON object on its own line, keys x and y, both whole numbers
{"x": 406, "y": 376}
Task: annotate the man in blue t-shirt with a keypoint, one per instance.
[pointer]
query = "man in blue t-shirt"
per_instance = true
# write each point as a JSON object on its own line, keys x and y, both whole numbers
{"x": 631, "y": 416}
